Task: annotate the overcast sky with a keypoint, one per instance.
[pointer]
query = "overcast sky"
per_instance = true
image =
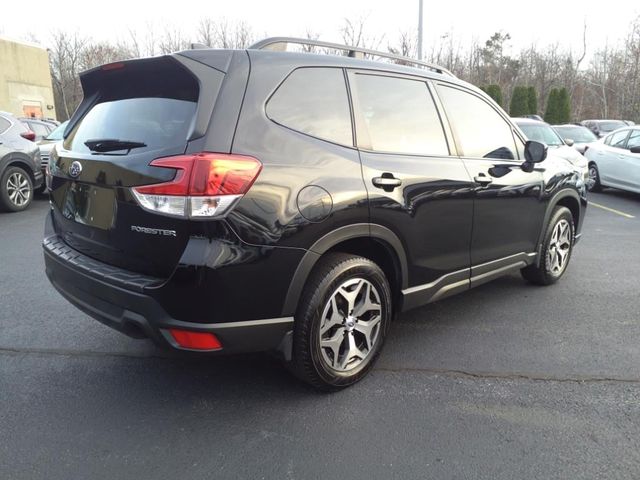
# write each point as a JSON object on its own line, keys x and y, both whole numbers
{"x": 541, "y": 21}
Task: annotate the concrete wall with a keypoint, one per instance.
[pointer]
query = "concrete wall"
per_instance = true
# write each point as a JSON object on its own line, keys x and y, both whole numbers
{"x": 25, "y": 80}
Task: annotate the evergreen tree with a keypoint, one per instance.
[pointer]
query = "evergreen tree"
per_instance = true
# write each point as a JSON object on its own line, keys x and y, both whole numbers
{"x": 551, "y": 112}
{"x": 532, "y": 100}
{"x": 494, "y": 92}
{"x": 519, "y": 102}
{"x": 564, "y": 107}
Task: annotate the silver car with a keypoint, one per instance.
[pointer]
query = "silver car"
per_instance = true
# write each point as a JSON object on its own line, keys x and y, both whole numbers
{"x": 543, "y": 132}
{"x": 614, "y": 161}
{"x": 20, "y": 171}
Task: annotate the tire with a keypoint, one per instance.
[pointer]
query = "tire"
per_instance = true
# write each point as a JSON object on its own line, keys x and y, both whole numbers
{"x": 16, "y": 190}
{"x": 594, "y": 185}
{"x": 337, "y": 337}
{"x": 556, "y": 250}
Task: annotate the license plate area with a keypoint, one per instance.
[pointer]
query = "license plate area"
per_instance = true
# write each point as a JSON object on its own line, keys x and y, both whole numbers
{"x": 90, "y": 205}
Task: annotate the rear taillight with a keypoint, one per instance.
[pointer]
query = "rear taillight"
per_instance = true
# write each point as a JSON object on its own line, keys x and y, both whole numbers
{"x": 206, "y": 185}
{"x": 29, "y": 135}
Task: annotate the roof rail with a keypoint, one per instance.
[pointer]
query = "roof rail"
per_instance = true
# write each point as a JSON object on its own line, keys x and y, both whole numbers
{"x": 280, "y": 43}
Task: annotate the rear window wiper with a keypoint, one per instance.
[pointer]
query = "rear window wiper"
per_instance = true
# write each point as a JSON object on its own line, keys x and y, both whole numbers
{"x": 112, "y": 144}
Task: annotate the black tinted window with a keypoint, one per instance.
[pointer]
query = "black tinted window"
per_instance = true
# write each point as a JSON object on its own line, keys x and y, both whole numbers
{"x": 400, "y": 115}
{"x": 314, "y": 101}
{"x": 480, "y": 131}
{"x": 156, "y": 122}
{"x": 4, "y": 124}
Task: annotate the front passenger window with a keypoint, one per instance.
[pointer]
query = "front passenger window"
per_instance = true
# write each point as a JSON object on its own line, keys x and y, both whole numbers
{"x": 480, "y": 131}
{"x": 618, "y": 139}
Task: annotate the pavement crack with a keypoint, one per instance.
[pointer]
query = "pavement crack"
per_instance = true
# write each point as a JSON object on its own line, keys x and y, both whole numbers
{"x": 75, "y": 353}
{"x": 510, "y": 375}
{"x": 538, "y": 377}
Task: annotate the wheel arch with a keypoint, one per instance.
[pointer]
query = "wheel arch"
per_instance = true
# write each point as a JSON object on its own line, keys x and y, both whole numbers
{"x": 15, "y": 160}
{"x": 565, "y": 198}
{"x": 372, "y": 241}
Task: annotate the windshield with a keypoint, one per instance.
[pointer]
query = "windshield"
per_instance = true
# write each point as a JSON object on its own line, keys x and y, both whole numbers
{"x": 541, "y": 133}
{"x": 577, "y": 134}
{"x": 610, "y": 126}
{"x": 57, "y": 132}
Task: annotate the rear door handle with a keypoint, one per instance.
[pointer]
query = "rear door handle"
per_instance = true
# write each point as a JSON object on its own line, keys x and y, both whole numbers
{"x": 482, "y": 179}
{"x": 387, "y": 182}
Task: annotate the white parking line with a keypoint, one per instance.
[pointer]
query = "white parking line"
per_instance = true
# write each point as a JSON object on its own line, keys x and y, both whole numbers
{"x": 612, "y": 210}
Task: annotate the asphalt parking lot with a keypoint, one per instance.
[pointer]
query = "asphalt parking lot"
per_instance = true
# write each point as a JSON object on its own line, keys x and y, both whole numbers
{"x": 505, "y": 381}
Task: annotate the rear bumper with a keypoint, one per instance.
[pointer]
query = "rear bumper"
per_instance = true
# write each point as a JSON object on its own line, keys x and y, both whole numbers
{"x": 38, "y": 179}
{"x": 117, "y": 299}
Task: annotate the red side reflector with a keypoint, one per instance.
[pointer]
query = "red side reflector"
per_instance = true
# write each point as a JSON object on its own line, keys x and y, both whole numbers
{"x": 196, "y": 340}
{"x": 112, "y": 66}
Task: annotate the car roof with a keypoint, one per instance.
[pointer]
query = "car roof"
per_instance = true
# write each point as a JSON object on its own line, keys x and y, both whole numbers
{"x": 527, "y": 121}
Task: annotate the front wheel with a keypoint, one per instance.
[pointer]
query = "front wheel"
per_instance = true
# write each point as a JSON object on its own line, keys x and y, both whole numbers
{"x": 593, "y": 183}
{"x": 341, "y": 322}
{"x": 556, "y": 249}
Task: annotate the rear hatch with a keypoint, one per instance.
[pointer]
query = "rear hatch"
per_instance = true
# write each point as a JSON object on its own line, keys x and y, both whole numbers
{"x": 133, "y": 112}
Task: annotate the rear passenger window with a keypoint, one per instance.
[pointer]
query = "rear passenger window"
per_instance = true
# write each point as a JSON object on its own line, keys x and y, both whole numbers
{"x": 314, "y": 101}
{"x": 400, "y": 115}
{"x": 480, "y": 131}
{"x": 4, "y": 124}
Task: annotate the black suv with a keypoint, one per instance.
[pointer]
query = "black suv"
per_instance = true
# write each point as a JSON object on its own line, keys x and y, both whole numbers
{"x": 261, "y": 200}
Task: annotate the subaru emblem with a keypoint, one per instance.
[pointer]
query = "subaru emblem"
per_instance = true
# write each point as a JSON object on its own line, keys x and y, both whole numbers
{"x": 75, "y": 168}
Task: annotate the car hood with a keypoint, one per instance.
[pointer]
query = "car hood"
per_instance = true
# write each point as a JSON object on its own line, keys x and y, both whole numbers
{"x": 569, "y": 154}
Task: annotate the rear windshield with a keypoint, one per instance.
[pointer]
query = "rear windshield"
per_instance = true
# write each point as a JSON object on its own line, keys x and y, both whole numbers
{"x": 610, "y": 126}
{"x": 149, "y": 103}
{"x": 156, "y": 122}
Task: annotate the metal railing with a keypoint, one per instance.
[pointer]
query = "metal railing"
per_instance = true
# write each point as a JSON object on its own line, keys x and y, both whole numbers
{"x": 280, "y": 43}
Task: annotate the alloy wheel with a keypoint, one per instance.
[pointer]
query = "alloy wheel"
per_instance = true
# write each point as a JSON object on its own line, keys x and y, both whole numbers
{"x": 18, "y": 189}
{"x": 559, "y": 247}
{"x": 593, "y": 177}
{"x": 350, "y": 324}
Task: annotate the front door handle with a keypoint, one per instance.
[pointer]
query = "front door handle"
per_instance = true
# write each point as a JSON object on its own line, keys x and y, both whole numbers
{"x": 387, "y": 182}
{"x": 482, "y": 179}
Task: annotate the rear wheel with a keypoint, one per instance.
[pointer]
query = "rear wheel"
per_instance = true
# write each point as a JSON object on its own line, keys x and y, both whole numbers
{"x": 593, "y": 183}
{"x": 341, "y": 322}
{"x": 556, "y": 249}
{"x": 16, "y": 189}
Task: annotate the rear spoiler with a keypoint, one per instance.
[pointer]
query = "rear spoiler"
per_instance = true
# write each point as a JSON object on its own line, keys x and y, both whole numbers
{"x": 208, "y": 75}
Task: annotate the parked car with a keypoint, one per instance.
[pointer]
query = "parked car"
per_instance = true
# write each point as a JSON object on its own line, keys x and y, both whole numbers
{"x": 47, "y": 144}
{"x": 545, "y": 133}
{"x": 577, "y": 136}
{"x": 614, "y": 161}
{"x": 41, "y": 128}
{"x": 247, "y": 200}
{"x": 19, "y": 164}
{"x": 601, "y": 127}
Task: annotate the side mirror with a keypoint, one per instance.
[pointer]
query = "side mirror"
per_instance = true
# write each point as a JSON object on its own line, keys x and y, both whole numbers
{"x": 635, "y": 149}
{"x": 569, "y": 142}
{"x": 535, "y": 152}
